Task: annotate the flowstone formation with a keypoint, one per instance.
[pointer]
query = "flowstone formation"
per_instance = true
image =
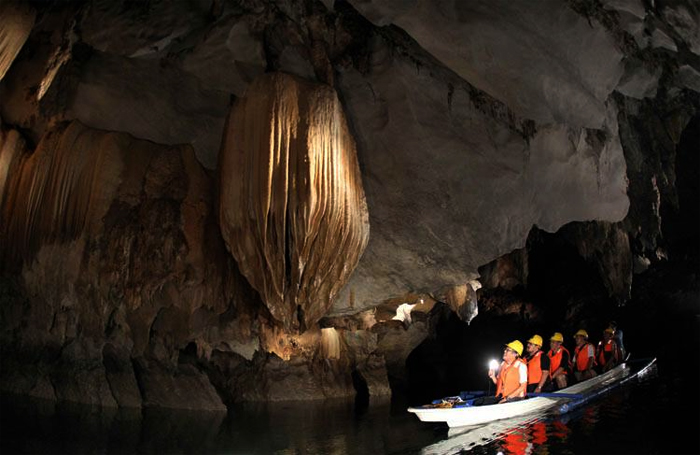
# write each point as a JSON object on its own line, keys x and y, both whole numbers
{"x": 104, "y": 269}
{"x": 186, "y": 188}
{"x": 292, "y": 206}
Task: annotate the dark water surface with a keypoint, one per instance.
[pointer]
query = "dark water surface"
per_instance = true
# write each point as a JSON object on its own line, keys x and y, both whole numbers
{"x": 656, "y": 414}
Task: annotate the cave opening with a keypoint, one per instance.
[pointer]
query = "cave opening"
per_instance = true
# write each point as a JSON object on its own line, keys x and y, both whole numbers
{"x": 562, "y": 293}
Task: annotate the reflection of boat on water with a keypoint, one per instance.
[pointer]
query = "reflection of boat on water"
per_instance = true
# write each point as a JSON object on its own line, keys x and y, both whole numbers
{"x": 526, "y": 428}
{"x": 465, "y": 438}
{"x": 458, "y": 412}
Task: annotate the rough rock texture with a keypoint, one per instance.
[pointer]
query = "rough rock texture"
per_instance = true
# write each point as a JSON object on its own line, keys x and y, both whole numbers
{"x": 506, "y": 272}
{"x": 544, "y": 61}
{"x": 116, "y": 273}
{"x": 480, "y": 128}
{"x": 17, "y": 22}
{"x": 305, "y": 367}
{"x": 105, "y": 238}
{"x": 110, "y": 95}
{"x": 293, "y": 210}
{"x": 473, "y": 182}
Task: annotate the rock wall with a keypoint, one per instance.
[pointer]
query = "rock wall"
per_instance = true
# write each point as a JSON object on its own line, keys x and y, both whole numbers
{"x": 133, "y": 187}
{"x": 105, "y": 236}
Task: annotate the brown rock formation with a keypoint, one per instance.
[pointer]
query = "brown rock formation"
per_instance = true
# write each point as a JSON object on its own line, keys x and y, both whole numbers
{"x": 105, "y": 237}
{"x": 293, "y": 211}
{"x": 17, "y": 21}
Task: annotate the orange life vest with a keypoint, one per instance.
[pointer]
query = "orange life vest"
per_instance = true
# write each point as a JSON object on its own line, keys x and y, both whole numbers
{"x": 581, "y": 357}
{"x": 534, "y": 369}
{"x": 509, "y": 379}
{"x": 605, "y": 352}
{"x": 555, "y": 359}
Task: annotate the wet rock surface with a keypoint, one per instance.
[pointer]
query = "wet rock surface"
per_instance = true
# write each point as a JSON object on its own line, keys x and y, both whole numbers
{"x": 522, "y": 167}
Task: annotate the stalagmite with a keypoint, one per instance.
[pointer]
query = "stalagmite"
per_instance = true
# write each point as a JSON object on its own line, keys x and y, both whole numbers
{"x": 293, "y": 210}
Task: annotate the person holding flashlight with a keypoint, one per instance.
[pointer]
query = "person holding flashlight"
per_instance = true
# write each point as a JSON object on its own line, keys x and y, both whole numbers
{"x": 511, "y": 380}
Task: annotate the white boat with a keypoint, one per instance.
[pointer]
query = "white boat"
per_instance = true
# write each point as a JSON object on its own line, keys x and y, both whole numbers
{"x": 463, "y": 414}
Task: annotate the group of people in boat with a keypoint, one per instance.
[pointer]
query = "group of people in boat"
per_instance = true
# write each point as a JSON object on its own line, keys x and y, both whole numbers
{"x": 534, "y": 371}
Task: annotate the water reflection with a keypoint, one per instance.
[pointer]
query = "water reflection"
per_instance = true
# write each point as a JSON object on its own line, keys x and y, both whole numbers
{"x": 610, "y": 425}
{"x": 512, "y": 436}
{"x": 38, "y": 426}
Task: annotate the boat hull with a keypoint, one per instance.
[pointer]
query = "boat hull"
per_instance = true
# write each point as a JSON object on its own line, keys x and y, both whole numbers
{"x": 477, "y": 415}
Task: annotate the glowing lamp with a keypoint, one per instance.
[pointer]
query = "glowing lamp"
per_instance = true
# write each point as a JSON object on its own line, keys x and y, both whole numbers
{"x": 493, "y": 365}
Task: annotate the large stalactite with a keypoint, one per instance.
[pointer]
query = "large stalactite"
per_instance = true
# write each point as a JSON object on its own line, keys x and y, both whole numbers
{"x": 56, "y": 192}
{"x": 293, "y": 210}
{"x": 15, "y": 26}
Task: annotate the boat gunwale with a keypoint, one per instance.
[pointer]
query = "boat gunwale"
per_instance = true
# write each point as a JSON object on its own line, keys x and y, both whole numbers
{"x": 536, "y": 403}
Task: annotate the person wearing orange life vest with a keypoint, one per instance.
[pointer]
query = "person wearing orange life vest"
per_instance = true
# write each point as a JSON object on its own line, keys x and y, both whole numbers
{"x": 584, "y": 357}
{"x": 537, "y": 365}
{"x": 558, "y": 360}
{"x": 607, "y": 352}
{"x": 511, "y": 380}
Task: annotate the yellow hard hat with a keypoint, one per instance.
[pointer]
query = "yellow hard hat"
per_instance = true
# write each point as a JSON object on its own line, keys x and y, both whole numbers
{"x": 517, "y": 346}
{"x": 609, "y": 329}
{"x": 536, "y": 339}
{"x": 582, "y": 333}
{"x": 557, "y": 337}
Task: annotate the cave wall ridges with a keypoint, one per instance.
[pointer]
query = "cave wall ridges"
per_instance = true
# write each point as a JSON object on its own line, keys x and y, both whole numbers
{"x": 292, "y": 207}
{"x": 128, "y": 282}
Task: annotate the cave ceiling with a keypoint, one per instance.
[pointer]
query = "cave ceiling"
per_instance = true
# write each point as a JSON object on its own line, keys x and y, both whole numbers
{"x": 472, "y": 121}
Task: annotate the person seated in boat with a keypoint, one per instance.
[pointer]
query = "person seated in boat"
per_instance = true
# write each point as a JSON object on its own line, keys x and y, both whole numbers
{"x": 617, "y": 336}
{"x": 511, "y": 381}
{"x": 537, "y": 365}
{"x": 608, "y": 352}
{"x": 584, "y": 357}
{"x": 558, "y": 361}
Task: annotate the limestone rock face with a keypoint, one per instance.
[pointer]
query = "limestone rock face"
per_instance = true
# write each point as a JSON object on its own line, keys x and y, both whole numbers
{"x": 104, "y": 236}
{"x": 141, "y": 30}
{"x": 292, "y": 210}
{"x": 543, "y": 60}
{"x": 142, "y": 264}
{"x": 607, "y": 246}
{"x": 16, "y": 24}
{"x": 475, "y": 177}
{"x": 110, "y": 95}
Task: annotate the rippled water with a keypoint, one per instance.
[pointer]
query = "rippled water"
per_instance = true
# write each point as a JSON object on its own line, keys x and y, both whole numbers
{"x": 643, "y": 416}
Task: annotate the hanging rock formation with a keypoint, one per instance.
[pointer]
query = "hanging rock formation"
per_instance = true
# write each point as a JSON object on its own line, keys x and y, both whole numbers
{"x": 480, "y": 129}
{"x": 293, "y": 211}
{"x": 16, "y": 24}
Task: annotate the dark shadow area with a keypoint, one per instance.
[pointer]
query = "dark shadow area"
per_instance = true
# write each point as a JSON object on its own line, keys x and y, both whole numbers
{"x": 681, "y": 223}
{"x": 564, "y": 293}
{"x": 362, "y": 392}
{"x": 42, "y": 427}
{"x": 567, "y": 288}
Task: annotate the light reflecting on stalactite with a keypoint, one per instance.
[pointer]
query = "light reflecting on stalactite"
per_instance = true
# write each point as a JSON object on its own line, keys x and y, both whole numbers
{"x": 293, "y": 210}
{"x": 12, "y": 151}
{"x": 60, "y": 57}
{"x": 330, "y": 343}
{"x": 57, "y": 190}
{"x": 16, "y": 22}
